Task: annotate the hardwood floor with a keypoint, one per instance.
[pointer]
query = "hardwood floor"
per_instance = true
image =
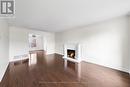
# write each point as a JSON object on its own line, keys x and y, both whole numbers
{"x": 51, "y": 71}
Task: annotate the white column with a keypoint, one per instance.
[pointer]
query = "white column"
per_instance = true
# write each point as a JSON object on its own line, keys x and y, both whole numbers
{"x": 78, "y": 52}
{"x": 65, "y": 51}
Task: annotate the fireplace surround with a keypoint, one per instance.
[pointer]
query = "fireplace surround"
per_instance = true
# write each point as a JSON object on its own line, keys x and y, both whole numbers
{"x": 72, "y": 52}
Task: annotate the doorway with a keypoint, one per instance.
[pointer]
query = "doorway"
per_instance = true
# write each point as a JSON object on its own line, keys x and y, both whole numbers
{"x": 35, "y": 42}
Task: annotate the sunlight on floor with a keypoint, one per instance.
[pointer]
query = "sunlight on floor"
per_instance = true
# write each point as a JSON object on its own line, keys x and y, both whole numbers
{"x": 33, "y": 59}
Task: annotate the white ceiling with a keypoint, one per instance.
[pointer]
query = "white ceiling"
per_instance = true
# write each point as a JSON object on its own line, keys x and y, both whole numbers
{"x": 59, "y": 15}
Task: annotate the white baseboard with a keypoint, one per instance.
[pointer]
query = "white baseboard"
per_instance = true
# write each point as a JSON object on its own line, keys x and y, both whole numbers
{"x": 59, "y": 53}
{"x": 14, "y": 60}
{"x": 120, "y": 69}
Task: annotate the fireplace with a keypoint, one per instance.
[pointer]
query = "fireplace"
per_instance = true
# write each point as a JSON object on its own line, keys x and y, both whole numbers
{"x": 71, "y": 53}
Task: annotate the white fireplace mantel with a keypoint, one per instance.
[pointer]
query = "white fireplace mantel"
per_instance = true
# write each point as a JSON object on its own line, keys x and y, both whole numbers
{"x": 77, "y": 49}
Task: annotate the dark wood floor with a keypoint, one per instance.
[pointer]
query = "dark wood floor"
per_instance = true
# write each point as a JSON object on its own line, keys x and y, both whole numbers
{"x": 51, "y": 71}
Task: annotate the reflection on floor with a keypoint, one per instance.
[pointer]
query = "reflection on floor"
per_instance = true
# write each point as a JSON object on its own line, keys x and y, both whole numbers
{"x": 53, "y": 71}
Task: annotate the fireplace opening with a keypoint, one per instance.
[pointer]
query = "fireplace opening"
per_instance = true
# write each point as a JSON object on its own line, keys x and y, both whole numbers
{"x": 71, "y": 53}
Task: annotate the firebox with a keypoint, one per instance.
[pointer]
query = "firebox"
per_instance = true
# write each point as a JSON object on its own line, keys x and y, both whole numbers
{"x": 71, "y": 53}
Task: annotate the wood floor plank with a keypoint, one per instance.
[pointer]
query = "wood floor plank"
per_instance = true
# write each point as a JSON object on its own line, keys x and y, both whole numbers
{"x": 50, "y": 71}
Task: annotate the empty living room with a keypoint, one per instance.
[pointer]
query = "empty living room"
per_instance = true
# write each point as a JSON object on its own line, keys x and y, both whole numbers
{"x": 64, "y": 43}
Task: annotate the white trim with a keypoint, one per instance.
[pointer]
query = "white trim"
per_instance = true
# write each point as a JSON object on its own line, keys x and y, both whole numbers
{"x": 73, "y": 60}
{"x": 119, "y": 69}
{"x": 20, "y": 58}
{"x": 14, "y": 60}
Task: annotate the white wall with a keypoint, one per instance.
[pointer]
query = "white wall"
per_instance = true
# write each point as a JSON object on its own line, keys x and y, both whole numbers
{"x": 4, "y": 47}
{"x": 104, "y": 43}
{"x": 19, "y": 41}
